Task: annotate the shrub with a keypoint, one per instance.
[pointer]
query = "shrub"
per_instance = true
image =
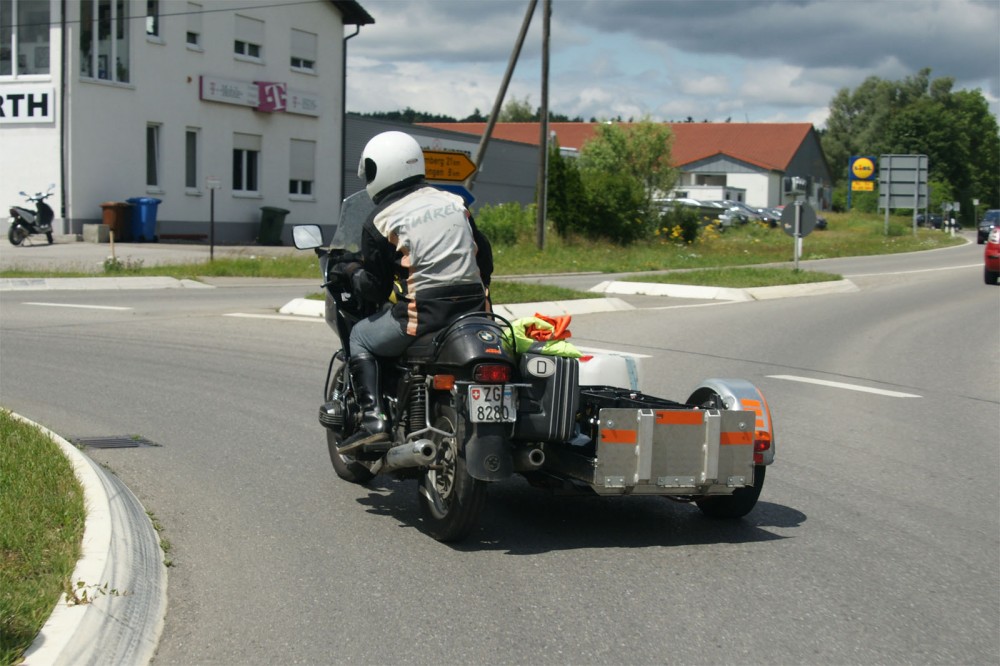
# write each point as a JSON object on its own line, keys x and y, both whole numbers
{"x": 616, "y": 208}
{"x": 680, "y": 224}
{"x": 506, "y": 223}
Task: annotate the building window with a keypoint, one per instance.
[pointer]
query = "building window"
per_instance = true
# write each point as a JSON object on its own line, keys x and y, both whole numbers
{"x": 302, "y": 168}
{"x": 249, "y": 38}
{"x": 104, "y": 43}
{"x": 193, "y": 35}
{"x": 246, "y": 163}
{"x": 152, "y": 155}
{"x": 303, "y": 51}
{"x": 191, "y": 158}
{"x": 24, "y": 37}
{"x": 153, "y": 18}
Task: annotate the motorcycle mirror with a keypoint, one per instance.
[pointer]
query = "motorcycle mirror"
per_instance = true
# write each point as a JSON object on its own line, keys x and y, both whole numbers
{"x": 22, "y": 193}
{"x": 307, "y": 236}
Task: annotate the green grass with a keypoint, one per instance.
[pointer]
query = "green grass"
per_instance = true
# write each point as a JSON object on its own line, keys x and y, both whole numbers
{"x": 738, "y": 278}
{"x": 41, "y": 527}
{"x": 849, "y": 234}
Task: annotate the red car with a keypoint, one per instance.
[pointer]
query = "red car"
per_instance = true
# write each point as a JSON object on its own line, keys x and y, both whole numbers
{"x": 992, "y": 256}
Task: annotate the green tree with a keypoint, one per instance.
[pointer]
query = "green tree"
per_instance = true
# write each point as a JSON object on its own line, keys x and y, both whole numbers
{"x": 640, "y": 150}
{"x": 518, "y": 111}
{"x": 920, "y": 115}
{"x": 566, "y": 204}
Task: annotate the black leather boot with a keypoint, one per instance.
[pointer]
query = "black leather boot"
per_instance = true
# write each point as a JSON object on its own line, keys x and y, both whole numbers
{"x": 367, "y": 391}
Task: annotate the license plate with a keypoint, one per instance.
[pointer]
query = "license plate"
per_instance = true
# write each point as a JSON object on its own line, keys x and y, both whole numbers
{"x": 491, "y": 403}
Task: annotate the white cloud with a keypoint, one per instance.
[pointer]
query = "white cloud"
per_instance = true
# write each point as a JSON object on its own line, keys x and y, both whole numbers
{"x": 748, "y": 59}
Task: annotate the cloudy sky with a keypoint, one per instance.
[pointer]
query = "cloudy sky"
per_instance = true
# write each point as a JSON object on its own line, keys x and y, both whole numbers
{"x": 746, "y": 60}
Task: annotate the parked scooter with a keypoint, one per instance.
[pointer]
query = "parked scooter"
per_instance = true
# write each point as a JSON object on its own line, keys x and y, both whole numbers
{"x": 25, "y": 222}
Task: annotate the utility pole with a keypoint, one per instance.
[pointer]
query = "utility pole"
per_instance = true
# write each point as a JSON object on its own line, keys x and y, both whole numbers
{"x": 543, "y": 143}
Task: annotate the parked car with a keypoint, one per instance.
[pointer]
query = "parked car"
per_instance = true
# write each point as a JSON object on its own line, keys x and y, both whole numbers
{"x": 749, "y": 212}
{"x": 934, "y": 221}
{"x": 991, "y": 257}
{"x": 990, "y": 219}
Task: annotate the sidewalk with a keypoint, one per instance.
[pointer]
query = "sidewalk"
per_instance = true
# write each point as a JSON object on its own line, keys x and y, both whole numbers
{"x": 68, "y": 254}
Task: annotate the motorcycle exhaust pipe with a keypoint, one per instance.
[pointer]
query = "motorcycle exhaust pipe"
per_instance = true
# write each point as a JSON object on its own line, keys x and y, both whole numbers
{"x": 412, "y": 454}
{"x": 528, "y": 460}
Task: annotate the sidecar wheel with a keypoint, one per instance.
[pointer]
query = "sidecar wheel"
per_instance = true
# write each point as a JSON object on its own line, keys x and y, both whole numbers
{"x": 450, "y": 499}
{"x": 737, "y": 505}
{"x": 16, "y": 235}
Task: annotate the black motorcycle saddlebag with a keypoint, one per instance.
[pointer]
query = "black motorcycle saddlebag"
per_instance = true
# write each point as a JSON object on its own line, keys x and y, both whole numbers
{"x": 546, "y": 411}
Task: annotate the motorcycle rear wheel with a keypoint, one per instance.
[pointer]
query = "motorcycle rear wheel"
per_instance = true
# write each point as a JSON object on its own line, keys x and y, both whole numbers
{"x": 450, "y": 499}
{"x": 17, "y": 234}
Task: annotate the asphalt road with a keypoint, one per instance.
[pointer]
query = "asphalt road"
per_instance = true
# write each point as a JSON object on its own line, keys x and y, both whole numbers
{"x": 877, "y": 538}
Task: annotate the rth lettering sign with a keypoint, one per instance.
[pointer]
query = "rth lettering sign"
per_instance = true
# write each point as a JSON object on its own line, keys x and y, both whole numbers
{"x": 27, "y": 104}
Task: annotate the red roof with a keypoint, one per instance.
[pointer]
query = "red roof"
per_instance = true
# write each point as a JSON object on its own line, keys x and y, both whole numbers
{"x": 767, "y": 145}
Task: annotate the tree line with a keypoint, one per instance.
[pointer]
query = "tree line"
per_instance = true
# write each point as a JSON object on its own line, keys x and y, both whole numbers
{"x": 917, "y": 115}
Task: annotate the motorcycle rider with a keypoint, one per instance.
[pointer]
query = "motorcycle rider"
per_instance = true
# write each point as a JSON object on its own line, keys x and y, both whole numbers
{"x": 421, "y": 242}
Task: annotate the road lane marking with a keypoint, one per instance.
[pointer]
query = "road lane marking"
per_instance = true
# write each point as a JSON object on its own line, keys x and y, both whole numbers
{"x": 849, "y": 387}
{"x": 280, "y": 317}
{"x": 74, "y": 305}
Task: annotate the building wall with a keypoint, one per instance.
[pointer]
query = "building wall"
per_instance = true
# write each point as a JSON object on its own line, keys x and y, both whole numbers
{"x": 105, "y": 138}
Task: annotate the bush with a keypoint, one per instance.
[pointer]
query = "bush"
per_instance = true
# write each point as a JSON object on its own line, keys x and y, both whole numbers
{"x": 616, "y": 208}
{"x": 680, "y": 223}
{"x": 506, "y": 223}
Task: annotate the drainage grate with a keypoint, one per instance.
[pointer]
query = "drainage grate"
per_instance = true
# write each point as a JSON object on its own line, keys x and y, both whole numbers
{"x": 123, "y": 442}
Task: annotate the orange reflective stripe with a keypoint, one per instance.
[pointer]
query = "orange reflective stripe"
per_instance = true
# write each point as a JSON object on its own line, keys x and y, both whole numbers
{"x": 755, "y": 406}
{"x": 610, "y": 436}
{"x": 739, "y": 438}
{"x": 680, "y": 417}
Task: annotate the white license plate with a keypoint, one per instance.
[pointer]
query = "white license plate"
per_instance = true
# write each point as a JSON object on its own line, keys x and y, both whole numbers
{"x": 492, "y": 403}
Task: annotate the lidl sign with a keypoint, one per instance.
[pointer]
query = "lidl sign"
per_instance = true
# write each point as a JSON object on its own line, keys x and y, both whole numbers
{"x": 862, "y": 168}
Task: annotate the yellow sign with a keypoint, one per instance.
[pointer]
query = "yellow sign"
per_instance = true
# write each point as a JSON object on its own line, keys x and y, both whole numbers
{"x": 863, "y": 168}
{"x": 862, "y": 186}
{"x": 442, "y": 165}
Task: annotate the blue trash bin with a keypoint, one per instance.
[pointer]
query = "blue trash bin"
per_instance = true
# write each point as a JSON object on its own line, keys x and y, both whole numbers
{"x": 144, "y": 218}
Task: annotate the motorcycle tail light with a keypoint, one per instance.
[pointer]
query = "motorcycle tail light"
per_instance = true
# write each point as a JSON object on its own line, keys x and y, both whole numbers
{"x": 443, "y": 382}
{"x": 761, "y": 443}
{"x": 491, "y": 373}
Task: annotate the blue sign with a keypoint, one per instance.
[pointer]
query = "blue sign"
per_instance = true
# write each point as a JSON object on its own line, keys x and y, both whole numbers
{"x": 457, "y": 189}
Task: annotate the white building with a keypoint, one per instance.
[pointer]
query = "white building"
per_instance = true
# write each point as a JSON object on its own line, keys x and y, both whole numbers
{"x": 119, "y": 99}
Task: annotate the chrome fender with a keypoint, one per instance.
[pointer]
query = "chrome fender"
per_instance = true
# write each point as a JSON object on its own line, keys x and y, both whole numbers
{"x": 739, "y": 394}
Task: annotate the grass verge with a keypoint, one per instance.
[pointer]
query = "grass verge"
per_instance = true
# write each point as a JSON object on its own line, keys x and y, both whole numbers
{"x": 737, "y": 278}
{"x": 42, "y": 518}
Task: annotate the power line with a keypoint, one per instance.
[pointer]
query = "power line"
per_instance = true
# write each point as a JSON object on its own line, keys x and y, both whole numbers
{"x": 187, "y": 13}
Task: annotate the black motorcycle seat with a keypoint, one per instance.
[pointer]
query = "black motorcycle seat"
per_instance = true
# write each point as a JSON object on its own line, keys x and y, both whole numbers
{"x": 422, "y": 349}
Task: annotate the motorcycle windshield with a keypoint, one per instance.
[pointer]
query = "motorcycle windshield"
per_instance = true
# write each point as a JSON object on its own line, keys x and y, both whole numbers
{"x": 353, "y": 212}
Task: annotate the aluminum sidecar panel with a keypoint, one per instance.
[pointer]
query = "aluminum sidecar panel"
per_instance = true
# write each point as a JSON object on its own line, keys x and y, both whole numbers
{"x": 666, "y": 452}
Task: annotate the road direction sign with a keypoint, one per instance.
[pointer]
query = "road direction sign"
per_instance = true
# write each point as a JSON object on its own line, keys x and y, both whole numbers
{"x": 807, "y": 219}
{"x": 447, "y": 166}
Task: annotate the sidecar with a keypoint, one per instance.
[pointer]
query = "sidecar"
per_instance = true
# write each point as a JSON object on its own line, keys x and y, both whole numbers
{"x": 711, "y": 449}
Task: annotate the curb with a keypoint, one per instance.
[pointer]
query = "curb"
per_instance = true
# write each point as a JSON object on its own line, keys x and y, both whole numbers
{"x": 723, "y": 293}
{"x": 121, "y": 566}
{"x": 102, "y": 283}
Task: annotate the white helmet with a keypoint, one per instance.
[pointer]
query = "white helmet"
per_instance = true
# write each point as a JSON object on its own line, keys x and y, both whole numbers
{"x": 389, "y": 159}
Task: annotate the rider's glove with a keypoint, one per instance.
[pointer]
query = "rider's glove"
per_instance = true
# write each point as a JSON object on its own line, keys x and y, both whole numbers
{"x": 344, "y": 270}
